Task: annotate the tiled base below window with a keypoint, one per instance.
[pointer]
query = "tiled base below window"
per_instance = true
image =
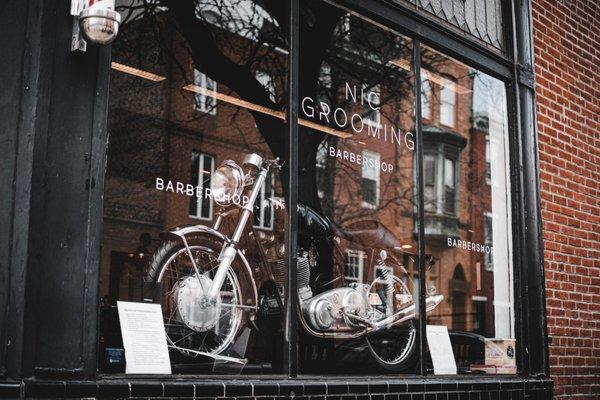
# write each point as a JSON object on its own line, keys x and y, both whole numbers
{"x": 300, "y": 389}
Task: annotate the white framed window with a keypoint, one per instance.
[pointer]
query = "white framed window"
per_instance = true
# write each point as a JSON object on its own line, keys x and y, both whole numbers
{"x": 370, "y": 180}
{"x": 426, "y": 96}
{"x": 266, "y": 80}
{"x": 355, "y": 264}
{"x": 264, "y": 212}
{"x": 203, "y": 165}
{"x": 447, "y": 103}
{"x": 206, "y": 100}
{"x": 488, "y": 260}
{"x": 371, "y": 105}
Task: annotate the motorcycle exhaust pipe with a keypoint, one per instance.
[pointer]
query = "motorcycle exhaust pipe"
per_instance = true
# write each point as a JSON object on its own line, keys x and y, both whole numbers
{"x": 409, "y": 312}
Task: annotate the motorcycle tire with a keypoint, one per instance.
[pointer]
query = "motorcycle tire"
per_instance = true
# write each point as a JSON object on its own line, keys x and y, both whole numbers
{"x": 395, "y": 349}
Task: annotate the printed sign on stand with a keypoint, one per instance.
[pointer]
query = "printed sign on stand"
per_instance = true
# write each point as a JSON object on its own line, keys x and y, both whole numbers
{"x": 440, "y": 349}
{"x": 144, "y": 338}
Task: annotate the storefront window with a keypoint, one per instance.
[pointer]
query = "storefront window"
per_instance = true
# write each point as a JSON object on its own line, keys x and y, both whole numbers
{"x": 468, "y": 233}
{"x": 196, "y": 89}
{"x": 195, "y": 189}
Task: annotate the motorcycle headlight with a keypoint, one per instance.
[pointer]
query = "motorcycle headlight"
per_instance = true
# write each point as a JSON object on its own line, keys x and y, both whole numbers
{"x": 227, "y": 183}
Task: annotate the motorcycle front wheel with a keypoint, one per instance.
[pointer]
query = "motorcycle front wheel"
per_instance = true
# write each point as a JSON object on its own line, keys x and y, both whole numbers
{"x": 195, "y": 324}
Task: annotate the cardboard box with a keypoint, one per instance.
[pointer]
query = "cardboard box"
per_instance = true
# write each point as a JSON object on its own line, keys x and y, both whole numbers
{"x": 500, "y": 352}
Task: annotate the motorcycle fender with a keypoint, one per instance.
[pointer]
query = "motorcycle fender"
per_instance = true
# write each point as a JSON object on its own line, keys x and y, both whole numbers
{"x": 184, "y": 230}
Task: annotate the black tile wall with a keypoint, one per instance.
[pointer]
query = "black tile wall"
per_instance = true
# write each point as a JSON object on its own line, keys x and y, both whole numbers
{"x": 300, "y": 389}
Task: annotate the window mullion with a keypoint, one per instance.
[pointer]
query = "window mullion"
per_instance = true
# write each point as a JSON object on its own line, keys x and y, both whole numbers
{"x": 291, "y": 177}
{"x": 420, "y": 205}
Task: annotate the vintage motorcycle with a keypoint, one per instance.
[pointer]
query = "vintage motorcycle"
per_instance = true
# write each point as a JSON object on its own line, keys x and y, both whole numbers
{"x": 210, "y": 286}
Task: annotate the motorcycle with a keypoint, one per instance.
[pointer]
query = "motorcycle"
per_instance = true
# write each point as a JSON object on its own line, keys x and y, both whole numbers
{"x": 210, "y": 286}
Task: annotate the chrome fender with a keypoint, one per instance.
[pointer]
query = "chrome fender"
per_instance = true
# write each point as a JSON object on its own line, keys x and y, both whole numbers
{"x": 184, "y": 230}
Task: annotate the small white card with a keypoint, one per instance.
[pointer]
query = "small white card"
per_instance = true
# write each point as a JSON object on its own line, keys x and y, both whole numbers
{"x": 440, "y": 349}
{"x": 144, "y": 338}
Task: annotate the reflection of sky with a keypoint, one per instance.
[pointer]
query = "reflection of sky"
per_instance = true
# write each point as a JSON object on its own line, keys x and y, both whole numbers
{"x": 244, "y": 17}
{"x": 488, "y": 96}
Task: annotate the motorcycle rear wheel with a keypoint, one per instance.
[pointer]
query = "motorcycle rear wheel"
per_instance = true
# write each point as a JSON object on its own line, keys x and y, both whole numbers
{"x": 394, "y": 348}
{"x": 212, "y": 330}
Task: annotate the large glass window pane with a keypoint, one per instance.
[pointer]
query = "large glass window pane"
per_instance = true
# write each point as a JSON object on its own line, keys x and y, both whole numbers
{"x": 357, "y": 261}
{"x": 468, "y": 232}
{"x": 197, "y": 87}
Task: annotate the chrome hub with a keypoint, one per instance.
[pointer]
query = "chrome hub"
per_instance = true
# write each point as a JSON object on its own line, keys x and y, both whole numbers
{"x": 195, "y": 308}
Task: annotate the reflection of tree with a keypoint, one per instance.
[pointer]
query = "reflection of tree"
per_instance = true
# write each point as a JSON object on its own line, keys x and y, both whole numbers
{"x": 228, "y": 40}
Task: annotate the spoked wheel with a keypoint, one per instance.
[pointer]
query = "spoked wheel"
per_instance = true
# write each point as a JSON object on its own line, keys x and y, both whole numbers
{"x": 195, "y": 323}
{"x": 393, "y": 347}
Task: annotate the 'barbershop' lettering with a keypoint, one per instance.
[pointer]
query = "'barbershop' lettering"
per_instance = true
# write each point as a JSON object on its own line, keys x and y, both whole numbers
{"x": 470, "y": 246}
{"x": 360, "y": 159}
{"x": 190, "y": 190}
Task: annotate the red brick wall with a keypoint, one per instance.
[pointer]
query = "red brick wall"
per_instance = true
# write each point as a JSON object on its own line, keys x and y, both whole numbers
{"x": 567, "y": 51}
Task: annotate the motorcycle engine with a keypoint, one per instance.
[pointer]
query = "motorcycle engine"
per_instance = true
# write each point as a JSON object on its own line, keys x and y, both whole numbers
{"x": 332, "y": 310}
{"x": 328, "y": 311}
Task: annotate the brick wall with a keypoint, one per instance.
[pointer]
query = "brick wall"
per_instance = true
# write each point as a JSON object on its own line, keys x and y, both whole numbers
{"x": 567, "y": 43}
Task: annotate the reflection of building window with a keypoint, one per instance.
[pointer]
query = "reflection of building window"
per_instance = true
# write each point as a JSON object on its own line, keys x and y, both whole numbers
{"x": 371, "y": 105}
{"x": 205, "y": 102}
{"x": 440, "y": 183}
{"x": 370, "y": 180}
{"x": 202, "y": 168}
{"x": 321, "y": 157}
{"x": 321, "y": 164}
{"x": 268, "y": 83}
{"x": 264, "y": 213}
{"x": 429, "y": 189}
{"x": 488, "y": 159}
{"x": 447, "y": 103}
{"x": 426, "y": 99}
{"x": 479, "y": 314}
{"x": 355, "y": 262}
{"x": 449, "y": 186}
{"x": 343, "y": 27}
{"x": 488, "y": 260}
{"x": 325, "y": 83}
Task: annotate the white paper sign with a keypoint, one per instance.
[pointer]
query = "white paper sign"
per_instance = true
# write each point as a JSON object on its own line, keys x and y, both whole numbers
{"x": 440, "y": 349}
{"x": 144, "y": 338}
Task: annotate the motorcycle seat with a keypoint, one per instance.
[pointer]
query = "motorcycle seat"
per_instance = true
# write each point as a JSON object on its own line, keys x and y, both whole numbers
{"x": 370, "y": 233}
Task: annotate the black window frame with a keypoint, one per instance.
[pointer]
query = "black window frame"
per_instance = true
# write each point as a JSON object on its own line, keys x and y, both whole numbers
{"x": 89, "y": 75}
{"x": 422, "y": 33}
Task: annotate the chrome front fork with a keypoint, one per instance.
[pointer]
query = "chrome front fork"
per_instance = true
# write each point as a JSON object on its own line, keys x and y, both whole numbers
{"x": 229, "y": 250}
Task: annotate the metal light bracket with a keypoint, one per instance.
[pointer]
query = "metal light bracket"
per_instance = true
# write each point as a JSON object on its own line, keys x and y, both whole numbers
{"x": 78, "y": 43}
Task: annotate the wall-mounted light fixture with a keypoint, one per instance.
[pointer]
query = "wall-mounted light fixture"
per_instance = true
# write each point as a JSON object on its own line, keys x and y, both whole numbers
{"x": 94, "y": 21}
